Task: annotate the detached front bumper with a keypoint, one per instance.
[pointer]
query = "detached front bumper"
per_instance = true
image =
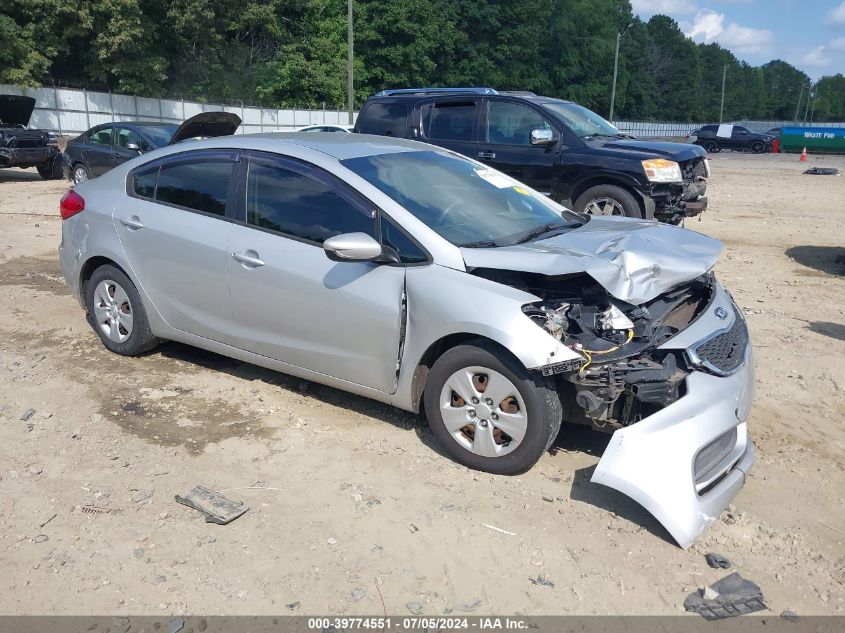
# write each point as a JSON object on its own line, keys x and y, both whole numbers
{"x": 686, "y": 462}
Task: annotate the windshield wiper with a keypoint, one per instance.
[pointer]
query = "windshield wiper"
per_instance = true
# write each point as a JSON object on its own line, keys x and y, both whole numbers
{"x": 481, "y": 244}
{"x": 550, "y": 227}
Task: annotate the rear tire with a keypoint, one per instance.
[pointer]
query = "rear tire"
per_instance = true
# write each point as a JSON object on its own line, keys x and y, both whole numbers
{"x": 79, "y": 173}
{"x": 757, "y": 147}
{"x": 608, "y": 200}
{"x": 522, "y": 405}
{"x": 116, "y": 312}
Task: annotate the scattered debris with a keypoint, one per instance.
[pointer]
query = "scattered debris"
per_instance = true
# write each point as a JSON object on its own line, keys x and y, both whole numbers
{"x": 27, "y": 414}
{"x": 542, "y": 581}
{"x": 548, "y": 499}
{"x": 35, "y": 469}
{"x": 331, "y": 541}
{"x": 413, "y": 528}
{"x": 717, "y": 561}
{"x": 293, "y": 606}
{"x": 497, "y": 529}
{"x": 414, "y": 607}
{"x": 466, "y": 607}
{"x": 215, "y": 507}
{"x": 790, "y": 616}
{"x": 41, "y": 538}
{"x": 48, "y": 520}
{"x": 144, "y": 496}
{"x": 822, "y": 171}
{"x": 732, "y": 595}
{"x": 92, "y": 509}
{"x": 358, "y": 594}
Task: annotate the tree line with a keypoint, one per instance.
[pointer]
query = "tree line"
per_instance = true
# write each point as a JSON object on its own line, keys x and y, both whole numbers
{"x": 293, "y": 53}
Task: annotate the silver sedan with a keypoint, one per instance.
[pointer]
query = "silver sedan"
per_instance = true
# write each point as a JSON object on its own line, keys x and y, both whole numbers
{"x": 420, "y": 278}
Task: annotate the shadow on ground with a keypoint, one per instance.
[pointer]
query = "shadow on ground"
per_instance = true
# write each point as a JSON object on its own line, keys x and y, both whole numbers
{"x": 827, "y": 259}
{"x": 18, "y": 175}
{"x": 833, "y": 330}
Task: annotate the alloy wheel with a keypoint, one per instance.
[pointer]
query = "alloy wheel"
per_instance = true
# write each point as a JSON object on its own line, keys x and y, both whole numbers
{"x": 79, "y": 175}
{"x": 483, "y": 411}
{"x": 604, "y": 206}
{"x": 113, "y": 311}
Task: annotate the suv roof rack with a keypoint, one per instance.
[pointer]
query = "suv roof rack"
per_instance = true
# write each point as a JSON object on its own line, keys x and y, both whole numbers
{"x": 422, "y": 91}
{"x": 518, "y": 93}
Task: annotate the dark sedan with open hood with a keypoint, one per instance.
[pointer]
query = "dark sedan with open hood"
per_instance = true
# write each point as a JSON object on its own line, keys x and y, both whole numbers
{"x": 106, "y": 146}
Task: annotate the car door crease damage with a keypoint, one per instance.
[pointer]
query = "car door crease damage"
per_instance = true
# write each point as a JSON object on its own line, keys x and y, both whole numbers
{"x": 615, "y": 323}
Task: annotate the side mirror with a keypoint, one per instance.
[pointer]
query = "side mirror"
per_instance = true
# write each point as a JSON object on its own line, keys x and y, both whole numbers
{"x": 133, "y": 147}
{"x": 542, "y": 137}
{"x": 352, "y": 247}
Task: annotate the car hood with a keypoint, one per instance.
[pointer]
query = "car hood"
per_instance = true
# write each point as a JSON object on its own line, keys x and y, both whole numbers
{"x": 649, "y": 149}
{"x": 16, "y": 109}
{"x": 634, "y": 260}
{"x": 207, "y": 125}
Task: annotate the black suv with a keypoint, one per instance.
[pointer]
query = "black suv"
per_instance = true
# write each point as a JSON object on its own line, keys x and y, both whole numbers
{"x": 715, "y": 138}
{"x": 557, "y": 147}
{"x": 22, "y": 147}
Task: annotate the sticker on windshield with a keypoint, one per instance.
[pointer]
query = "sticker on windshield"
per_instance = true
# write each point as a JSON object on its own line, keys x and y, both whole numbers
{"x": 520, "y": 190}
{"x": 495, "y": 178}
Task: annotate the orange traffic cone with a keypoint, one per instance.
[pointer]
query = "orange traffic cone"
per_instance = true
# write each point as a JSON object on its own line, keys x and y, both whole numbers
{"x": 804, "y": 155}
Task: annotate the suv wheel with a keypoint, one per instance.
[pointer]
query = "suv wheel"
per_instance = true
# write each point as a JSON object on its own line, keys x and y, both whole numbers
{"x": 608, "y": 200}
{"x": 757, "y": 147}
{"x": 79, "y": 174}
{"x": 488, "y": 412}
{"x": 711, "y": 147}
{"x": 116, "y": 313}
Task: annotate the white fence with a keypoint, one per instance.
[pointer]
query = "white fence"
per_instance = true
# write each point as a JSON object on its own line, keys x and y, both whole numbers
{"x": 651, "y": 129}
{"x": 70, "y": 112}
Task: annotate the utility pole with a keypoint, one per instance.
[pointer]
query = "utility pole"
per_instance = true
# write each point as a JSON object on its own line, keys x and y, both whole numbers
{"x": 616, "y": 70}
{"x": 722, "y": 106}
{"x": 807, "y": 105}
{"x": 350, "y": 56}
{"x": 798, "y": 107}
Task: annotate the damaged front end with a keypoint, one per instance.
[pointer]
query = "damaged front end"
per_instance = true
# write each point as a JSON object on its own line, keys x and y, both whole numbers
{"x": 671, "y": 377}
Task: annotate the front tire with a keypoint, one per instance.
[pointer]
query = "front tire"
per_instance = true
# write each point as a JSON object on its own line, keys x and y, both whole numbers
{"x": 608, "y": 200}
{"x": 711, "y": 147}
{"x": 116, "y": 312}
{"x": 488, "y": 412}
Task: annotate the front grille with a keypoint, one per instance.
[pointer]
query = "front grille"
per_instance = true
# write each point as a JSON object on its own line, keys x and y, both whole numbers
{"x": 709, "y": 460}
{"x": 725, "y": 352}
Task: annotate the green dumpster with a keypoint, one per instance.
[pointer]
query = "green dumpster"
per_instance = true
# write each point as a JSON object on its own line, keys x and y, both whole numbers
{"x": 817, "y": 140}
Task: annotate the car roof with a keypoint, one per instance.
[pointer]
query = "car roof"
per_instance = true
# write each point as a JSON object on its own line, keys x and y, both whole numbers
{"x": 420, "y": 96}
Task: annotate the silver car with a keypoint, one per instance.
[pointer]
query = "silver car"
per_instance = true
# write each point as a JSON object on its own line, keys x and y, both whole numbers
{"x": 417, "y": 277}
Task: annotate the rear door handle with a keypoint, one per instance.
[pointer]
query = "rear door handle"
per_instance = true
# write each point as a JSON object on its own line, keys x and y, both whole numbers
{"x": 133, "y": 223}
{"x": 248, "y": 259}
{"x": 487, "y": 155}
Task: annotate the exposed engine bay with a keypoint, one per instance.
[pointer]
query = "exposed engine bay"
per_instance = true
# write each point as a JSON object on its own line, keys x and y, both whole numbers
{"x": 622, "y": 376}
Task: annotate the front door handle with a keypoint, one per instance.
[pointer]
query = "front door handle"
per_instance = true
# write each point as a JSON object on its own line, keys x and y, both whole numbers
{"x": 487, "y": 155}
{"x": 248, "y": 259}
{"x": 133, "y": 223}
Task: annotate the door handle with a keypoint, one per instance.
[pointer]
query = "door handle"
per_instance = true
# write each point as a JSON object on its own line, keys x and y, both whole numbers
{"x": 133, "y": 223}
{"x": 487, "y": 155}
{"x": 248, "y": 259}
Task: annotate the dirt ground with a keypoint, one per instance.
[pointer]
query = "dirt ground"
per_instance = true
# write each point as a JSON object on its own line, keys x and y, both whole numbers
{"x": 352, "y": 503}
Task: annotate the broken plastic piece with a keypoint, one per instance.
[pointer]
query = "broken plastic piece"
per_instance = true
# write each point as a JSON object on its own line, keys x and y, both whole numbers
{"x": 734, "y": 596}
{"x": 822, "y": 171}
{"x": 216, "y": 508}
{"x": 717, "y": 561}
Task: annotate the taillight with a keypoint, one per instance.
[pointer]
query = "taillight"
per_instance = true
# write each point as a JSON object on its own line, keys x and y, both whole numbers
{"x": 71, "y": 204}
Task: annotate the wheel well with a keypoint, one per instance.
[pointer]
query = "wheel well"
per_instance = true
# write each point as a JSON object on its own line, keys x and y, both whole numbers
{"x": 581, "y": 187}
{"x": 90, "y": 266}
{"x": 436, "y": 350}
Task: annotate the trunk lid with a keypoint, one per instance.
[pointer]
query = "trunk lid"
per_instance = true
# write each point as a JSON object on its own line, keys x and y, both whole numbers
{"x": 634, "y": 260}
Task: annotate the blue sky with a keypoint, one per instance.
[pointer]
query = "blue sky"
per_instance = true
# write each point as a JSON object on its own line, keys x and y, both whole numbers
{"x": 809, "y": 34}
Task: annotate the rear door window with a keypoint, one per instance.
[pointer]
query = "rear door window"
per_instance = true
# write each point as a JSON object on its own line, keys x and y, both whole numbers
{"x": 293, "y": 200}
{"x": 101, "y": 136}
{"x": 201, "y": 185}
{"x": 384, "y": 119}
{"x": 448, "y": 120}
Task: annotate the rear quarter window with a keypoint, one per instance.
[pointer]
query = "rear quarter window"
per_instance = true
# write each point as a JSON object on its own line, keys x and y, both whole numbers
{"x": 384, "y": 119}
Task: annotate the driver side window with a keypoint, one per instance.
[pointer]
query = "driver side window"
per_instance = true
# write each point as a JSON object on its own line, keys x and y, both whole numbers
{"x": 126, "y": 137}
{"x": 510, "y": 123}
{"x": 101, "y": 136}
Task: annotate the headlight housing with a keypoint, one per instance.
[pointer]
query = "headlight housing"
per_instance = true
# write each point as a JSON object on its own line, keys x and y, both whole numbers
{"x": 662, "y": 170}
